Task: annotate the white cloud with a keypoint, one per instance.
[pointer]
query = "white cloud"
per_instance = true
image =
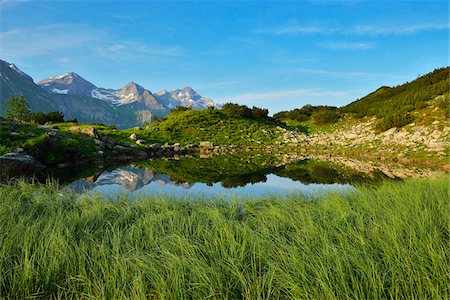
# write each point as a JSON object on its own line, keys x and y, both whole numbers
{"x": 23, "y": 42}
{"x": 356, "y": 75}
{"x": 396, "y": 30}
{"x": 347, "y": 45}
{"x": 55, "y": 39}
{"x": 130, "y": 50}
{"x": 294, "y": 30}
{"x": 370, "y": 30}
{"x": 218, "y": 84}
{"x": 280, "y": 95}
{"x": 10, "y": 3}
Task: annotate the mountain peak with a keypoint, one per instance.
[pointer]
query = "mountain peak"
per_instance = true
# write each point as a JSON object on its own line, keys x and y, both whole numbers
{"x": 68, "y": 83}
{"x": 17, "y": 70}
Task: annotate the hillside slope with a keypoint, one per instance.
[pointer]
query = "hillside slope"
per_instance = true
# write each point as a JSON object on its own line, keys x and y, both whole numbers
{"x": 403, "y": 98}
{"x": 194, "y": 126}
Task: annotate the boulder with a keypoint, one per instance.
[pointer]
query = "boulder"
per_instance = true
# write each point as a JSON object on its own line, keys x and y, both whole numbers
{"x": 140, "y": 142}
{"x": 19, "y": 163}
{"x": 119, "y": 148}
{"x": 133, "y": 136}
{"x": 99, "y": 143}
{"x": 207, "y": 145}
{"x": 91, "y": 131}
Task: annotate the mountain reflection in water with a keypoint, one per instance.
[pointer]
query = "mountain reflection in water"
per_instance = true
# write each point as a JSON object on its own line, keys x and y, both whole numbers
{"x": 142, "y": 181}
{"x": 247, "y": 174}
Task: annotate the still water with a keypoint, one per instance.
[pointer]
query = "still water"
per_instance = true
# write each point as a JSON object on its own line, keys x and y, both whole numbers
{"x": 245, "y": 175}
{"x": 143, "y": 182}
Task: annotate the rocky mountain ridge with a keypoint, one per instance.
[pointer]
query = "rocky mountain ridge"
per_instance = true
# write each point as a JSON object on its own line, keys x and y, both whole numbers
{"x": 75, "y": 97}
{"x": 72, "y": 83}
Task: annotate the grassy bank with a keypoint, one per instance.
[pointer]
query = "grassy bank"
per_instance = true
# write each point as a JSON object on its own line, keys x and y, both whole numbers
{"x": 385, "y": 242}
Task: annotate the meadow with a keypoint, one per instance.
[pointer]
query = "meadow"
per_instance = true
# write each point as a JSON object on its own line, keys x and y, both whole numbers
{"x": 384, "y": 241}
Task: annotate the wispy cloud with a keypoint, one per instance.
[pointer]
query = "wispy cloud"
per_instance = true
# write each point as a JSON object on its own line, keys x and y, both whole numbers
{"x": 347, "y": 45}
{"x": 219, "y": 84}
{"x": 354, "y": 75}
{"x": 130, "y": 50}
{"x": 53, "y": 39}
{"x": 10, "y": 3}
{"x": 294, "y": 30}
{"x": 372, "y": 30}
{"x": 276, "y": 96}
{"x": 397, "y": 30}
{"x": 23, "y": 42}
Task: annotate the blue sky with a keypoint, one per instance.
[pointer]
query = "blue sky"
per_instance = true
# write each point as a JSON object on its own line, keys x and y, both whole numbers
{"x": 274, "y": 54}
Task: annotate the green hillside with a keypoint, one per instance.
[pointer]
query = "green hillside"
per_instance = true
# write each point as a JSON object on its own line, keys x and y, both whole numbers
{"x": 393, "y": 106}
{"x": 402, "y": 98}
{"x": 217, "y": 126}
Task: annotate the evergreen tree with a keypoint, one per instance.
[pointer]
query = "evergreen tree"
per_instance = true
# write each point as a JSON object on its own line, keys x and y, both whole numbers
{"x": 19, "y": 110}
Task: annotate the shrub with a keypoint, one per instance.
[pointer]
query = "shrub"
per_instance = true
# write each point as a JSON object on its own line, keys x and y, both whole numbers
{"x": 237, "y": 110}
{"x": 51, "y": 117}
{"x": 325, "y": 116}
{"x": 394, "y": 120}
{"x": 180, "y": 108}
{"x": 259, "y": 112}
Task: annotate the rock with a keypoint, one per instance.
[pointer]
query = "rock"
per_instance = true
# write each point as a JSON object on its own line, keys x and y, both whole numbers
{"x": 14, "y": 133}
{"x": 119, "y": 148}
{"x": 99, "y": 143}
{"x": 100, "y": 152}
{"x": 53, "y": 137}
{"x": 18, "y": 163}
{"x": 91, "y": 131}
{"x": 31, "y": 134}
{"x": 141, "y": 155}
{"x": 18, "y": 150}
{"x": 74, "y": 129}
{"x": 140, "y": 142}
{"x": 133, "y": 136}
{"x": 64, "y": 165}
{"x": 207, "y": 145}
{"x": 390, "y": 131}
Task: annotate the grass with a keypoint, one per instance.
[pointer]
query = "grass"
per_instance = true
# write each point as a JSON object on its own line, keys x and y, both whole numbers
{"x": 385, "y": 242}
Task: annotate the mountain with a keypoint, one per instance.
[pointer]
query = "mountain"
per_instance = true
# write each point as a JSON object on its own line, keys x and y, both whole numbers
{"x": 161, "y": 102}
{"x": 14, "y": 82}
{"x": 186, "y": 97}
{"x": 69, "y": 83}
{"x": 76, "y": 97}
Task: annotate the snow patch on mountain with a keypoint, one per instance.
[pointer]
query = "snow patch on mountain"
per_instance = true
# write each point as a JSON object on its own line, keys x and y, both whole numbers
{"x": 56, "y": 91}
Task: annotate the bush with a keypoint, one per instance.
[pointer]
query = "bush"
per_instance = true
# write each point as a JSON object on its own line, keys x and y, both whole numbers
{"x": 259, "y": 112}
{"x": 180, "y": 108}
{"x": 237, "y": 110}
{"x": 325, "y": 116}
{"x": 51, "y": 117}
{"x": 394, "y": 120}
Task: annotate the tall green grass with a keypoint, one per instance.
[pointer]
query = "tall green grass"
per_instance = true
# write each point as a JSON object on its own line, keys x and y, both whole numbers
{"x": 385, "y": 242}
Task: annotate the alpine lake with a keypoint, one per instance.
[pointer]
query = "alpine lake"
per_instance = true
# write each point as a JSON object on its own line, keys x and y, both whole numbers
{"x": 242, "y": 175}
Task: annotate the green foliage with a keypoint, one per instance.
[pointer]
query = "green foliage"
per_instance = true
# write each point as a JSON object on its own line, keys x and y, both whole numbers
{"x": 383, "y": 242}
{"x": 394, "y": 120}
{"x": 325, "y": 116}
{"x": 309, "y": 111}
{"x": 444, "y": 104}
{"x": 258, "y": 112}
{"x": 237, "y": 110}
{"x": 177, "y": 109}
{"x": 403, "y": 98}
{"x": 50, "y": 117}
{"x": 19, "y": 110}
{"x": 217, "y": 126}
